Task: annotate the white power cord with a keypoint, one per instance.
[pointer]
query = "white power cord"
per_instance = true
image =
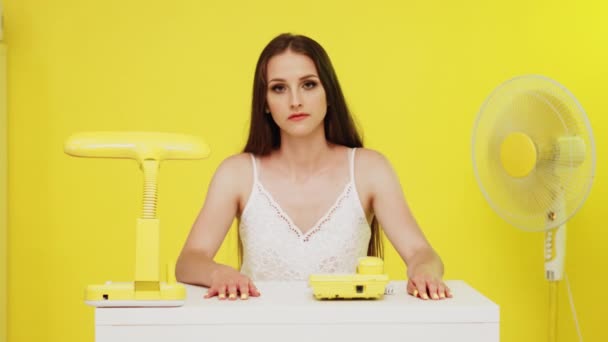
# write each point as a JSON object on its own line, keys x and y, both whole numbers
{"x": 573, "y": 309}
{"x": 389, "y": 289}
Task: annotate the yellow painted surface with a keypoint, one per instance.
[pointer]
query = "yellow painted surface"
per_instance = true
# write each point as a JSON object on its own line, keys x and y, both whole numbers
{"x": 3, "y": 195}
{"x": 414, "y": 72}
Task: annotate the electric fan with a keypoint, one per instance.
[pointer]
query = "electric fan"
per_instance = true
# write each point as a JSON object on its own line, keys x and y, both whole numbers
{"x": 534, "y": 160}
{"x": 149, "y": 149}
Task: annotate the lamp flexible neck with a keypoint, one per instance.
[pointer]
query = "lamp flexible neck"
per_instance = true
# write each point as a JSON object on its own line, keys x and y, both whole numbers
{"x": 150, "y": 169}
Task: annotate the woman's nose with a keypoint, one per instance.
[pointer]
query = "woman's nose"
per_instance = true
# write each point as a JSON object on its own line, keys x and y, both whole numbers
{"x": 295, "y": 99}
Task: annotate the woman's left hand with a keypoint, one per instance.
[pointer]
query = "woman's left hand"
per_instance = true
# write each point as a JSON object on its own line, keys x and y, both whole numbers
{"x": 425, "y": 285}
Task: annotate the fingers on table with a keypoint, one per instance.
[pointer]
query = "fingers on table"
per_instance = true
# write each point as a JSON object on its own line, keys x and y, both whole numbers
{"x": 428, "y": 289}
{"x": 233, "y": 290}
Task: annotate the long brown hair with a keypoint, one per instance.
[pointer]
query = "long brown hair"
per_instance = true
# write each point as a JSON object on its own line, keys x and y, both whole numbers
{"x": 340, "y": 129}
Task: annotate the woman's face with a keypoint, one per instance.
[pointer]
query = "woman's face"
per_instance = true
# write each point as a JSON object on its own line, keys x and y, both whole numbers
{"x": 295, "y": 96}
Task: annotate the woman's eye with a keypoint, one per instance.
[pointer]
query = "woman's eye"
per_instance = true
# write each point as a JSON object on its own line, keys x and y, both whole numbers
{"x": 310, "y": 85}
{"x": 278, "y": 88}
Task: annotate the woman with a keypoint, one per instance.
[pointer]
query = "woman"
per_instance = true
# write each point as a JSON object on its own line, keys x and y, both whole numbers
{"x": 307, "y": 195}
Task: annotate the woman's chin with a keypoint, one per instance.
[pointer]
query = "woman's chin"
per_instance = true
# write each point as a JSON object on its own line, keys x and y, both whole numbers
{"x": 302, "y": 132}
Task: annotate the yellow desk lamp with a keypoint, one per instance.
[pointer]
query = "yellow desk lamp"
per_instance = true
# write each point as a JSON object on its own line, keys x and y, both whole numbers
{"x": 148, "y": 149}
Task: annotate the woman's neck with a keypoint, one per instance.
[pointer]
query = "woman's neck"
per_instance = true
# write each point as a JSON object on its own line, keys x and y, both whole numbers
{"x": 304, "y": 157}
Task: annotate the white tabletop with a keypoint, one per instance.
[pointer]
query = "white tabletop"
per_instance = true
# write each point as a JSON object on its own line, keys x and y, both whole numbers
{"x": 293, "y": 303}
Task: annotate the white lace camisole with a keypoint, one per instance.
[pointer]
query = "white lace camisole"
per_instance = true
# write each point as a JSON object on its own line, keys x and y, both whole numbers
{"x": 274, "y": 248}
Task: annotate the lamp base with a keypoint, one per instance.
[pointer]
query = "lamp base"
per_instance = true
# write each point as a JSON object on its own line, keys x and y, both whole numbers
{"x": 127, "y": 294}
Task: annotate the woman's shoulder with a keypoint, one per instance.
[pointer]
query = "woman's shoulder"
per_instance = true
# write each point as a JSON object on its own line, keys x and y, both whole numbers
{"x": 234, "y": 175}
{"x": 234, "y": 169}
{"x": 238, "y": 159}
{"x": 371, "y": 164}
{"x": 236, "y": 164}
{"x": 369, "y": 158}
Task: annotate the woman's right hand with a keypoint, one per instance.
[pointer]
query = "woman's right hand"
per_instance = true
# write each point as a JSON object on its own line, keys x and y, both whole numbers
{"x": 229, "y": 283}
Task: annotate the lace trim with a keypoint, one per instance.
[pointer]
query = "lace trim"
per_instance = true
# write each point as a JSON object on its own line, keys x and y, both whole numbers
{"x": 317, "y": 227}
{"x": 276, "y": 208}
{"x": 329, "y": 214}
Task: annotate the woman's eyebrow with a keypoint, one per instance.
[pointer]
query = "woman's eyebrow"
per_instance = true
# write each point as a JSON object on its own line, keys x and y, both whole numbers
{"x": 301, "y": 78}
{"x": 309, "y": 76}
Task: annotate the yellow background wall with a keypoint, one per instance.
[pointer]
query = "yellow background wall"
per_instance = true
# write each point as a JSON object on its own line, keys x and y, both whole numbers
{"x": 414, "y": 72}
{"x": 3, "y": 194}
{"x": 3, "y": 187}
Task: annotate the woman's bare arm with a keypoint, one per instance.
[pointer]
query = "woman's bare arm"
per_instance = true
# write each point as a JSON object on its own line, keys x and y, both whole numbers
{"x": 424, "y": 266}
{"x": 195, "y": 264}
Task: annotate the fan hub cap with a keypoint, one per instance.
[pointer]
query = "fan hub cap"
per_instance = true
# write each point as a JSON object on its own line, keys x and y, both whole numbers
{"x": 518, "y": 154}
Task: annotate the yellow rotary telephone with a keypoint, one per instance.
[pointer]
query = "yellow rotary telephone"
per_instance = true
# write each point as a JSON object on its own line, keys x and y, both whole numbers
{"x": 368, "y": 283}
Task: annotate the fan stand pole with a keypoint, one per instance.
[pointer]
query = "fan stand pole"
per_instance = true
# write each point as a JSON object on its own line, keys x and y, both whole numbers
{"x": 553, "y": 291}
{"x": 555, "y": 252}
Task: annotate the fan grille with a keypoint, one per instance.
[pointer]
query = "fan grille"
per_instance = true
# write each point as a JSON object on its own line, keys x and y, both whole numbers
{"x": 553, "y": 119}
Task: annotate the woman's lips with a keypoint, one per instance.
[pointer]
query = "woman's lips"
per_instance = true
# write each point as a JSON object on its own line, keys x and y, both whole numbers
{"x": 298, "y": 116}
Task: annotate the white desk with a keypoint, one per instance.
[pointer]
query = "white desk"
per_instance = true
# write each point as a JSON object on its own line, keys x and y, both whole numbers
{"x": 287, "y": 311}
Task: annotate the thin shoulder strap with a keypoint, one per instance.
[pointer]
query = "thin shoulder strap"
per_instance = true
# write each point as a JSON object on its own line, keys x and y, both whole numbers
{"x": 352, "y": 164}
{"x": 255, "y": 170}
